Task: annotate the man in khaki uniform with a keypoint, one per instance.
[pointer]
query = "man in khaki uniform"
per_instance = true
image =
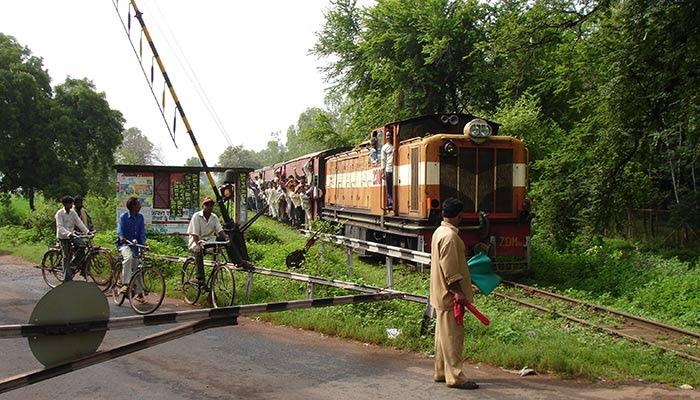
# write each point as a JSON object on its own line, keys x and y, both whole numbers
{"x": 449, "y": 279}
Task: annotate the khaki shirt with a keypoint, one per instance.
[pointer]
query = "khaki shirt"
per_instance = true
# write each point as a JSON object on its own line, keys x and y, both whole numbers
{"x": 448, "y": 265}
{"x": 204, "y": 229}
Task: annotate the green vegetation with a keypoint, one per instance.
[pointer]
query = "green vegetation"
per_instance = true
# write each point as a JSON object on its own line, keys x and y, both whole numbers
{"x": 517, "y": 337}
{"x": 615, "y": 274}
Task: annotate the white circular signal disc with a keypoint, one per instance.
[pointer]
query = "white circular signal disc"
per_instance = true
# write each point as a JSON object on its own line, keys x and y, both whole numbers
{"x": 71, "y": 302}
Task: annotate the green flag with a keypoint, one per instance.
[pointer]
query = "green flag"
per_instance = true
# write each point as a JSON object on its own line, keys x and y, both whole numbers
{"x": 481, "y": 270}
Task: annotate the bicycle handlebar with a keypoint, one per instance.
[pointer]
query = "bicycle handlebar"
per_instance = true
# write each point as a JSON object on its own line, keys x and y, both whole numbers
{"x": 84, "y": 235}
{"x": 130, "y": 243}
{"x": 214, "y": 242}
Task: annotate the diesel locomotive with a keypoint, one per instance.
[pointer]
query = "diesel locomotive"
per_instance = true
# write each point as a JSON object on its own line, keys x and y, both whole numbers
{"x": 434, "y": 157}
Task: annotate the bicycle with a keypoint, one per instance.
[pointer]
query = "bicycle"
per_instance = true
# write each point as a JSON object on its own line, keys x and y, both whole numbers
{"x": 221, "y": 280}
{"x": 97, "y": 264}
{"x": 146, "y": 288}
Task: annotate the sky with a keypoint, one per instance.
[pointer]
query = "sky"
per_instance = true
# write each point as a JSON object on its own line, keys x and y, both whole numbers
{"x": 250, "y": 58}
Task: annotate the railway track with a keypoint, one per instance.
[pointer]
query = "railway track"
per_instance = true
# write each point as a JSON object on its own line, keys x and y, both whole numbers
{"x": 681, "y": 342}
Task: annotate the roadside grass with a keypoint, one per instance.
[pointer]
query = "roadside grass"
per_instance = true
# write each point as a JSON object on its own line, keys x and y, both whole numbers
{"x": 665, "y": 289}
{"x": 515, "y": 338}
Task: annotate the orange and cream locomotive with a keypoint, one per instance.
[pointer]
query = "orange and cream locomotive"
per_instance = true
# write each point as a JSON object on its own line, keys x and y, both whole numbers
{"x": 434, "y": 157}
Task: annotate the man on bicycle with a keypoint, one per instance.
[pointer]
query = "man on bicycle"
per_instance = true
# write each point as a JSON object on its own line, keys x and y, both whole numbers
{"x": 82, "y": 212}
{"x": 67, "y": 222}
{"x": 130, "y": 227}
{"x": 204, "y": 226}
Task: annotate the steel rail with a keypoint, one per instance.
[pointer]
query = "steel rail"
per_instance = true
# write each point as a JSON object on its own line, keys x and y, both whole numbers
{"x": 598, "y": 327}
{"x": 413, "y": 255}
{"x": 643, "y": 321}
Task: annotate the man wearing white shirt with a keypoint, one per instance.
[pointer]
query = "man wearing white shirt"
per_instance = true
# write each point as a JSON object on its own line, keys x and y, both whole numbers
{"x": 388, "y": 167}
{"x": 67, "y": 222}
{"x": 204, "y": 226}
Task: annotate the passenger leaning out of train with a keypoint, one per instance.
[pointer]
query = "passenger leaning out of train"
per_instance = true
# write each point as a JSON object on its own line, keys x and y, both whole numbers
{"x": 388, "y": 166}
{"x": 306, "y": 196}
{"x": 204, "y": 226}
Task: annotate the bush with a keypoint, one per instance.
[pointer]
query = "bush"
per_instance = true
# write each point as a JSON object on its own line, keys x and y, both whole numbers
{"x": 103, "y": 211}
{"x": 9, "y": 216}
{"x": 42, "y": 221}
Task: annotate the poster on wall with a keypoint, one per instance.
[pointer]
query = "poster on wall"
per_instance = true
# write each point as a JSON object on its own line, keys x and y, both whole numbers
{"x": 139, "y": 185}
{"x": 184, "y": 199}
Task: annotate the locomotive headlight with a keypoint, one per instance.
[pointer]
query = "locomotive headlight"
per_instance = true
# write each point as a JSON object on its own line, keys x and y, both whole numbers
{"x": 449, "y": 148}
{"x": 478, "y": 130}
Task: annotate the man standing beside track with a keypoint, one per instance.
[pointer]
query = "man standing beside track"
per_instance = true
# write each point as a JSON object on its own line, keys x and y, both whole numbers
{"x": 450, "y": 283}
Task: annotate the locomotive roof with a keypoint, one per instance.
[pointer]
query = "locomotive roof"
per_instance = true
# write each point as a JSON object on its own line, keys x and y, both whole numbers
{"x": 465, "y": 117}
{"x": 436, "y": 123}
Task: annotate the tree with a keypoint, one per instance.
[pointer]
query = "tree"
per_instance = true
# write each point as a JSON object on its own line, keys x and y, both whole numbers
{"x": 87, "y": 132}
{"x": 193, "y": 162}
{"x": 136, "y": 149}
{"x": 275, "y": 151}
{"x": 317, "y": 129}
{"x": 402, "y": 58}
{"x": 237, "y": 156}
{"x": 26, "y": 155}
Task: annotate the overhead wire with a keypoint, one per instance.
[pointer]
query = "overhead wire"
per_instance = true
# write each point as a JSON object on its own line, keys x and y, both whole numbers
{"x": 145, "y": 74}
{"x": 190, "y": 73}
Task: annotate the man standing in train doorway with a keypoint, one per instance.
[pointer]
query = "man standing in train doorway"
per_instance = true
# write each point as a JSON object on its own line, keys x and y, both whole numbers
{"x": 450, "y": 284}
{"x": 388, "y": 166}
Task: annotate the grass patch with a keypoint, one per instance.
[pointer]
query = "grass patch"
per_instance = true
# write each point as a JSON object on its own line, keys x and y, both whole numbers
{"x": 615, "y": 274}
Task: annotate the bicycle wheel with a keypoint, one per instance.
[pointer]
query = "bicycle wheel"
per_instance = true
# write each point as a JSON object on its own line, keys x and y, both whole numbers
{"x": 190, "y": 289}
{"x": 100, "y": 268}
{"x": 146, "y": 290}
{"x": 52, "y": 267}
{"x": 117, "y": 296}
{"x": 223, "y": 287}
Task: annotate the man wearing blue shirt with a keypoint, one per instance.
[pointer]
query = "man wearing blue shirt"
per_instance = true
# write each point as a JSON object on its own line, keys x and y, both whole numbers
{"x": 131, "y": 227}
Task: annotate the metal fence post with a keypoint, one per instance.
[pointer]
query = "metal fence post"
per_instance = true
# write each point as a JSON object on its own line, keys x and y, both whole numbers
{"x": 309, "y": 290}
{"x": 248, "y": 284}
{"x": 350, "y": 270}
{"x": 321, "y": 250}
{"x": 390, "y": 272}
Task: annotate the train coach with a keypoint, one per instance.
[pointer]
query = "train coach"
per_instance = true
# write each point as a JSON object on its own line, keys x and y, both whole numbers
{"x": 434, "y": 157}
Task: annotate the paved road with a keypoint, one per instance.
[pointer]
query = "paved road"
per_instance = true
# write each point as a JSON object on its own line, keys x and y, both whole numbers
{"x": 256, "y": 360}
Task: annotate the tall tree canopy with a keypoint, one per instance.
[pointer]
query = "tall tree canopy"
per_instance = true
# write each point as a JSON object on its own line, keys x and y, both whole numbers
{"x": 88, "y": 132}
{"x": 604, "y": 92}
{"x": 57, "y": 141}
{"x": 27, "y": 160}
{"x": 402, "y": 58}
{"x": 237, "y": 156}
{"x": 136, "y": 149}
